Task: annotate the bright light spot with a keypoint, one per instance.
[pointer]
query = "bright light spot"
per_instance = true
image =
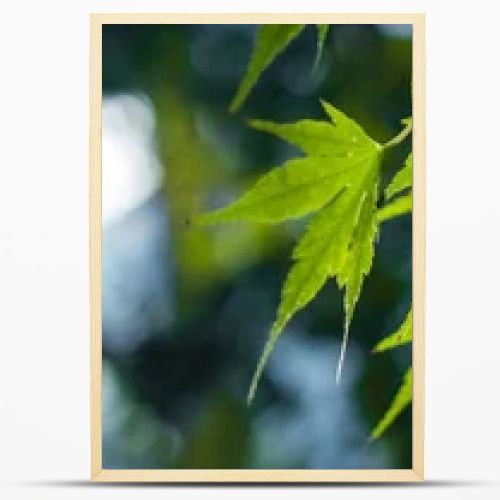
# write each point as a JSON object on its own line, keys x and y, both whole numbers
{"x": 130, "y": 167}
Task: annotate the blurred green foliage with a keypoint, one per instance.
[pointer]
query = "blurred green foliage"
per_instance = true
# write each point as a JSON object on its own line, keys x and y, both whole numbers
{"x": 178, "y": 398}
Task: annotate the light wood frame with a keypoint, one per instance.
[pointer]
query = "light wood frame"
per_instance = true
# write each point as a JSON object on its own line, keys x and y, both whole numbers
{"x": 416, "y": 473}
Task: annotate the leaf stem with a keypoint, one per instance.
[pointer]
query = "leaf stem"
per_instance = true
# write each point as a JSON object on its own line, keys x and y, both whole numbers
{"x": 398, "y": 139}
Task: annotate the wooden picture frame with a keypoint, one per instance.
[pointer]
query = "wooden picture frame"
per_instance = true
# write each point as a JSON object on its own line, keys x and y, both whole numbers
{"x": 416, "y": 473}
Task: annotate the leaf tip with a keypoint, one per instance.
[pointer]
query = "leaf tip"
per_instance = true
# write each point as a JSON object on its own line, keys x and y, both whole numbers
{"x": 323, "y": 102}
{"x": 340, "y": 364}
{"x": 255, "y": 380}
{"x": 377, "y": 348}
{"x": 234, "y": 106}
{"x": 250, "y": 396}
{"x": 262, "y": 125}
{"x": 253, "y": 123}
{"x": 238, "y": 99}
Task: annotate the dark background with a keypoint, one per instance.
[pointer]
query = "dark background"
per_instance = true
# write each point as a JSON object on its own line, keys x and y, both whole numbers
{"x": 186, "y": 311}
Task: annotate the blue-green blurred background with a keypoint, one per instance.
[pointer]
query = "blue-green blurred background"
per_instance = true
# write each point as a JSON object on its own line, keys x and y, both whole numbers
{"x": 186, "y": 310}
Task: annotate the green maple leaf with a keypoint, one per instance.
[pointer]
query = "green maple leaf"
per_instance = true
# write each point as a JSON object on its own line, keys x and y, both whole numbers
{"x": 400, "y": 206}
{"x": 271, "y": 40}
{"x": 400, "y": 182}
{"x": 399, "y": 403}
{"x": 403, "y": 335}
{"x": 358, "y": 263}
{"x": 338, "y": 178}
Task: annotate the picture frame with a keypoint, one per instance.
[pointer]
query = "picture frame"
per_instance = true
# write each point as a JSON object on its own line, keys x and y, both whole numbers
{"x": 416, "y": 473}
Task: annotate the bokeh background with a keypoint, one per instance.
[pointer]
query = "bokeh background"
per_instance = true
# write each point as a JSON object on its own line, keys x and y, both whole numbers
{"x": 186, "y": 310}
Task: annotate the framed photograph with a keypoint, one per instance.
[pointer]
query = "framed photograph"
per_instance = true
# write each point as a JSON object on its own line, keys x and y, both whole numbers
{"x": 257, "y": 247}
